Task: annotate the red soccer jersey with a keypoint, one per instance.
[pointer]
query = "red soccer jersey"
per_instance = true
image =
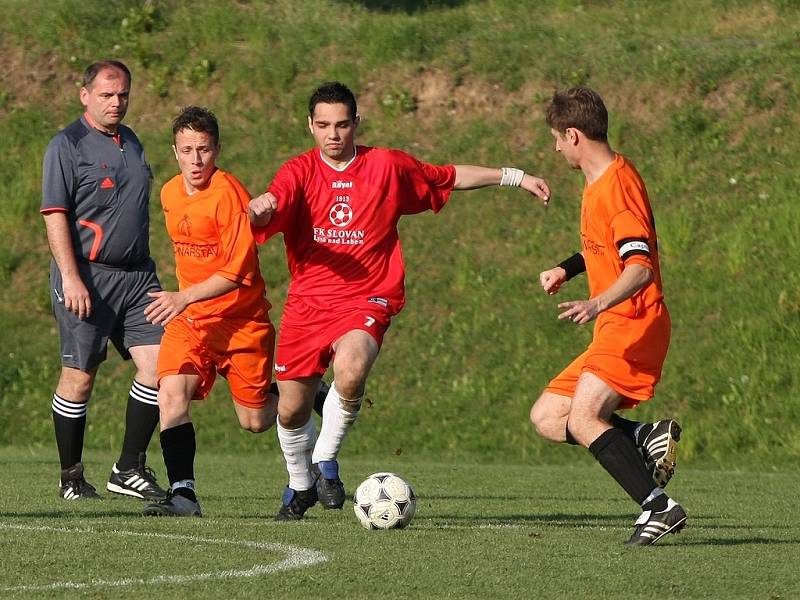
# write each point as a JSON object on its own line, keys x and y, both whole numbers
{"x": 340, "y": 226}
{"x": 210, "y": 234}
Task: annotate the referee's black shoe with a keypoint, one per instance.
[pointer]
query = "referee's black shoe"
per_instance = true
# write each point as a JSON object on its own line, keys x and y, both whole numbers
{"x": 73, "y": 486}
{"x": 139, "y": 482}
{"x": 651, "y": 526}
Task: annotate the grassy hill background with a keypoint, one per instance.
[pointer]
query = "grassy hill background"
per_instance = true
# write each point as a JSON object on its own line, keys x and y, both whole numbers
{"x": 703, "y": 97}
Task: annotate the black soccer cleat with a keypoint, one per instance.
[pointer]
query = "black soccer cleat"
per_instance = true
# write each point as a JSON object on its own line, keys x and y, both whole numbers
{"x": 652, "y": 526}
{"x": 73, "y": 486}
{"x": 330, "y": 489}
{"x": 659, "y": 451}
{"x": 173, "y": 505}
{"x": 139, "y": 482}
{"x": 296, "y": 503}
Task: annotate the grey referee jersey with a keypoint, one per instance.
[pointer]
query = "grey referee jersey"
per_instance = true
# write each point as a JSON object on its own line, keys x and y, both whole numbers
{"x": 104, "y": 189}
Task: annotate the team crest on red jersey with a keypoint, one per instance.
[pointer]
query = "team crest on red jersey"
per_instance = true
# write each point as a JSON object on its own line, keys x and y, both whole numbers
{"x": 341, "y": 214}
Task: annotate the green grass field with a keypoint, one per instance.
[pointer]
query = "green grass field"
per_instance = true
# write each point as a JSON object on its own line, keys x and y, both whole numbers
{"x": 704, "y": 97}
{"x": 481, "y": 531}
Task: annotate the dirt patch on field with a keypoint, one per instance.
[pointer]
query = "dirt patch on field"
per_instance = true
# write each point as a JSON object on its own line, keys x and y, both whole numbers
{"x": 756, "y": 18}
{"x": 31, "y": 80}
{"x": 435, "y": 92}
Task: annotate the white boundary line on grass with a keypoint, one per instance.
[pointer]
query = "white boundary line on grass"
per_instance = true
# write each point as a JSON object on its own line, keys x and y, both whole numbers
{"x": 296, "y": 558}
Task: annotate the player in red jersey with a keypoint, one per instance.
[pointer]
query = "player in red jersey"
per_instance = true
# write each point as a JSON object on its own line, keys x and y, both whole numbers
{"x": 338, "y": 206}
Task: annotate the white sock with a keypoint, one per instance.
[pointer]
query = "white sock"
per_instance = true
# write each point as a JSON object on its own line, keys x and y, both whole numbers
{"x": 297, "y": 445}
{"x": 336, "y": 422}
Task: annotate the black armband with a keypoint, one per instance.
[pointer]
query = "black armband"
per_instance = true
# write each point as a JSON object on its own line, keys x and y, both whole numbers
{"x": 574, "y": 265}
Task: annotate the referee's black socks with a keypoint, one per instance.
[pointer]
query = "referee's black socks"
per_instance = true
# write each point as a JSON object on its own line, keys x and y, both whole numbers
{"x": 69, "y": 419}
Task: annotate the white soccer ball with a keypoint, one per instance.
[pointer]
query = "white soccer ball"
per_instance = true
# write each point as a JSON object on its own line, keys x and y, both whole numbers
{"x": 384, "y": 501}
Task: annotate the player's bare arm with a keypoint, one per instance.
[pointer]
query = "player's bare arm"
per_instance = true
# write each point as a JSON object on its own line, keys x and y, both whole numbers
{"x": 76, "y": 297}
{"x": 168, "y": 305}
{"x": 261, "y": 209}
{"x": 632, "y": 279}
{"x": 470, "y": 177}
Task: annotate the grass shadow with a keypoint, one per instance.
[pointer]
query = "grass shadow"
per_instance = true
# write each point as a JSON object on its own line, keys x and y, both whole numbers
{"x": 406, "y": 6}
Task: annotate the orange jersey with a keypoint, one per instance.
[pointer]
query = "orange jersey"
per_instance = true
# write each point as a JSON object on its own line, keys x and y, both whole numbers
{"x": 617, "y": 229}
{"x": 210, "y": 233}
{"x": 630, "y": 340}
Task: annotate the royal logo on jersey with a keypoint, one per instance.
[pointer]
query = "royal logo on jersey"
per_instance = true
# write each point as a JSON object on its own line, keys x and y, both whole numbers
{"x": 185, "y": 226}
{"x": 340, "y": 214}
{"x": 340, "y": 185}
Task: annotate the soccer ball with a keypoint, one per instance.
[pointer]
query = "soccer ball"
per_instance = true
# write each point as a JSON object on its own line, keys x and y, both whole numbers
{"x": 384, "y": 501}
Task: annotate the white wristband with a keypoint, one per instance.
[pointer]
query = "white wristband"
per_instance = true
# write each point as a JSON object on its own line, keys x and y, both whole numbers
{"x": 511, "y": 177}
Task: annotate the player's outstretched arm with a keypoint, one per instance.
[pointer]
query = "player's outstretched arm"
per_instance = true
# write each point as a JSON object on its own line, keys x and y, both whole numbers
{"x": 261, "y": 209}
{"x": 470, "y": 177}
{"x": 632, "y": 279}
{"x": 168, "y": 305}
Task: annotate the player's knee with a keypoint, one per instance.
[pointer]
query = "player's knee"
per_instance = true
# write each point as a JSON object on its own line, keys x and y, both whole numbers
{"x": 545, "y": 423}
{"x": 76, "y": 385}
{"x": 291, "y": 418}
{"x": 350, "y": 387}
{"x": 256, "y": 425}
{"x": 260, "y": 421}
{"x": 173, "y": 406}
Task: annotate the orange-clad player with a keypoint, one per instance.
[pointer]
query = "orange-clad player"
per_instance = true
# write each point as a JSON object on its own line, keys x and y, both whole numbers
{"x": 218, "y": 322}
{"x": 632, "y": 326}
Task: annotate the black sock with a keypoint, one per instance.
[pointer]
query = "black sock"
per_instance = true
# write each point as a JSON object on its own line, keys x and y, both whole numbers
{"x": 319, "y": 401}
{"x": 657, "y": 504}
{"x": 186, "y": 493}
{"x": 69, "y": 419}
{"x": 615, "y": 451}
{"x": 141, "y": 418}
{"x": 629, "y": 427}
{"x": 178, "y": 446}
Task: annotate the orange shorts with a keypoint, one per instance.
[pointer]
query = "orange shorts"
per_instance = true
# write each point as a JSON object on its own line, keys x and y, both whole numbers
{"x": 241, "y": 350}
{"x": 305, "y": 344}
{"x": 626, "y": 353}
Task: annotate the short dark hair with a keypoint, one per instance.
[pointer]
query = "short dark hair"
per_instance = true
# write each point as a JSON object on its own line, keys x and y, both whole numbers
{"x": 581, "y": 108}
{"x": 333, "y": 92}
{"x": 196, "y": 118}
{"x": 93, "y": 69}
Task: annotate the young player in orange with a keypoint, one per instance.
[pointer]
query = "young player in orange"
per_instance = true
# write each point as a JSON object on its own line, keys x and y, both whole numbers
{"x": 632, "y": 326}
{"x": 219, "y": 321}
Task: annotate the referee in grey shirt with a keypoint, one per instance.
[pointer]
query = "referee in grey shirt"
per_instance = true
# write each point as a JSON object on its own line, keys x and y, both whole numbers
{"x": 95, "y": 193}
